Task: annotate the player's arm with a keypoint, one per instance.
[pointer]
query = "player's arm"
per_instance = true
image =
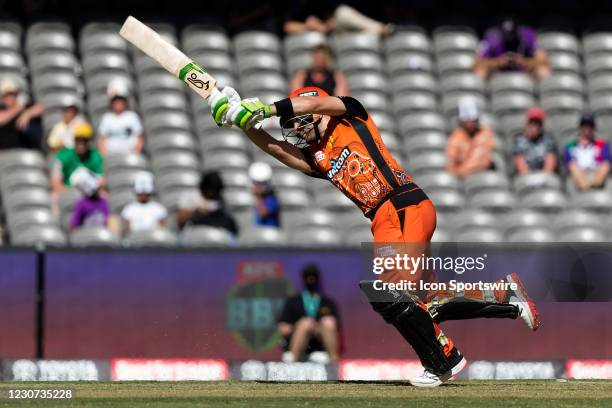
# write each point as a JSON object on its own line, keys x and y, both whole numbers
{"x": 283, "y": 151}
{"x": 322, "y": 105}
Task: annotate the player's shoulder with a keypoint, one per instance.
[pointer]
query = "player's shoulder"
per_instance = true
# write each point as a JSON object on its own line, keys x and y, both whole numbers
{"x": 354, "y": 108}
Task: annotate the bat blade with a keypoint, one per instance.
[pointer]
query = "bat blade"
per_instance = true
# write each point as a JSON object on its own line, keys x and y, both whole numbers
{"x": 168, "y": 56}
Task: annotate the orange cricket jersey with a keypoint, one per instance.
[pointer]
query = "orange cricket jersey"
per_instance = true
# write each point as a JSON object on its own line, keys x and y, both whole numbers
{"x": 352, "y": 155}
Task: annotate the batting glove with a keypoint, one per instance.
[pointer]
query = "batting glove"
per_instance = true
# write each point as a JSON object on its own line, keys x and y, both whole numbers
{"x": 219, "y": 103}
{"x": 248, "y": 113}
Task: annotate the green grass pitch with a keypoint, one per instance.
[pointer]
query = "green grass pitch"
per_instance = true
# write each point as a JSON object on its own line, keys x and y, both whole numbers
{"x": 472, "y": 394}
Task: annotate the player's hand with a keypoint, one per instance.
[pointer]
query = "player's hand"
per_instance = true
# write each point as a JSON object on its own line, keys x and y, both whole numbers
{"x": 248, "y": 113}
{"x": 219, "y": 103}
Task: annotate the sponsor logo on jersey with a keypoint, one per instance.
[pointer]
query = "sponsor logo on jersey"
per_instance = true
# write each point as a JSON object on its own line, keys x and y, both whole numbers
{"x": 319, "y": 156}
{"x": 336, "y": 164}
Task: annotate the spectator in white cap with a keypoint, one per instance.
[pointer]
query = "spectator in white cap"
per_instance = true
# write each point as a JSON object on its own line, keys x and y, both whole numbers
{"x": 470, "y": 145}
{"x": 62, "y": 133}
{"x": 20, "y": 124}
{"x": 120, "y": 130}
{"x": 267, "y": 209}
{"x": 143, "y": 214}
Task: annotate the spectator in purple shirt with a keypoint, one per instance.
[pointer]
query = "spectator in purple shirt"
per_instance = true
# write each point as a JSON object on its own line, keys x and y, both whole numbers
{"x": 91, "y": 210}
{"x": 511, "y": 48}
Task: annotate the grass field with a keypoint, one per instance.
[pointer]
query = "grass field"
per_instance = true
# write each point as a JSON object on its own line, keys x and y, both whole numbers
{"x": 472, "y": 394}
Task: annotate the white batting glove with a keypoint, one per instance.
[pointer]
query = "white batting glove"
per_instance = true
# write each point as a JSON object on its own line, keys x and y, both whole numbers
{"x": 219, "y": 102}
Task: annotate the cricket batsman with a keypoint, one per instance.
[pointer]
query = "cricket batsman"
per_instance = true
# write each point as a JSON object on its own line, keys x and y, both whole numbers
{"x": 335, "y": 138}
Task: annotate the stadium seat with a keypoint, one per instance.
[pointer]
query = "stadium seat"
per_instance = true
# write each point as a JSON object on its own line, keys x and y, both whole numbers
{"x": 524, "y": 219}
{"x": 161, "y": 142}
{"x": 263, "y": 237}
{"x": 562, "y": 84}
{"x": 447, "y": 40}
{"x": 368, "y": 81}
{"x": 175, "y": 161}
{"x": 421, "y": 122}
{"x": 27, "y": 198}
{"x": 442, "y": 235}
{"x": 555, "y": 42}
{"x": 120, "y": 198}
{"x": 107, "y": 62}
{"x": 402, "y": 63}
{"x": 534, "y": 181}
{"x": 196, "y": 38}
{"x": 315, "y": 237}
{"x": 424, "y": 142}
{"x": 296, "y": 43}
{"x": 410, "y": 40}
{"x": 168, "y": 181}
{"x": 576, "y": 218}
{"x": 102, "y": 42}
{"x": 547, "y": 201}
{"x": 57, "y": 82}
{"x": 299, "y": 61}
{"x": 333, "y": 201}
{"x": 478, "y": 234}
{"x": 594, "y": 200}
{"x": 167, "y": 121}
{"x": 413, "y": 103}
{"x": 353, "y": 63}
{"x": 447, "y": 200}
{"x": 531, "y": 235}
{"x": 23, "y": 178}
{"x": 565, "y": 63}
{"x": 355, "y": 237}
{"x": 511, "y": 82}
{"x": 21, "y": 219}
{"x": 355, "y": 42}
{"x": 39, "y": 234}
{"x": 131, "y": 161}
{"x": 293, "y": 199}
{"x": 159, "y": 237}
{"x": 461, "y": 83}
{"x": 203, "y": 236}
{"x": 226, "y": 161}
{"x": 163, "y": 102}
{"x": 258, "y": 63}
{"x": 438, "y": 181}
{"x": 256, "y": 41}
{"x": 255, "y": 83}
{"x": 497, "y": 201}
{"x": 450, "y": 104}
{"x": 49, "y": 41}
{"x": 486, "y": 180}
{"x": 473, "y": 217}
{"x": 511, "y": 103}
{"x": 373, "y": 101}
{"x": 583, "y": 234}
{"x": 236, "y": 178}
{"x": 93, "y": 237}
{"x": 161, "y": 81}
{"x": 296, "y": 219}
{"x": 238, "y": 199}
{"x": 9, "y": 41}
{"x": 597, "y": 43}
{"x": 455, "y": 64}
{"x": 427, "y": 162}
{"x": 407, "y": 82}
{"x": 598, "y": 65}
{"x": 12, "y": 63}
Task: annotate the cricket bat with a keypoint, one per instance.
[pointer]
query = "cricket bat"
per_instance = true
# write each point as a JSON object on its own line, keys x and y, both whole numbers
{"x": 168, "y": 56}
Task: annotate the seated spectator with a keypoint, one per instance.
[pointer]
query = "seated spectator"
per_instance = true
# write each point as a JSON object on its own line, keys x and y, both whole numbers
{"x": 267, "y": 208}
{"x": 120, "y": 130}
{"x": 470, "y": 146}
{"x": 588, "y": 158}
{"x": 511, "y": 48}
{"x": 62, "y": 133}
{"x": 143, "y": 214}
{"x": 20, "y": 124}
{"x": 321, "y": 74}
{"x": 70, "y": 159}
{"x": 206, "y": 208}
{"x": 535, "y": 150}
{"x": 325, "y": 17}
{"x": 309, "y": 321}
{"x": 92, "y": 209}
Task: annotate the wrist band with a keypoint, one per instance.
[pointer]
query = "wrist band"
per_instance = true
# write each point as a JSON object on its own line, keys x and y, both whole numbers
{"x": 284, "y": 109}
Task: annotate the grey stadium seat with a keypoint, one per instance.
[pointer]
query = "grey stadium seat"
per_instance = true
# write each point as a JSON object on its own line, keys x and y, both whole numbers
{"x": 170, "y": 141}
{"x": 201, "y": 38}
{"x": 473, "y": 217}
{"x": 67, "y": 199}
{"x": 31, "y": 177}
{"x": 168, "y": 181}
{"x": 159, "y": 237}
{"x": 259, "y": 63}
{"x": 27, "y": 198}
{"x": 462, "y": 82}
{"x": 576, "y": 218}
{"x": 523, "y": 218}
{"x": 478, "y": 234}
{"x": 316, "y": 217}
{"x": 424, "y": 142}
{"x": 62, "y": 81}
{"x": 453, "y": 40}
{"x": 454, "y": 64}
{"x": 40, "y": 234}
{"x": 526, "y": 183}
{"x": 159, "y": 82}
{"x": 583, "y": 234}
{"x": 204, "y": 236}
{"x": 564, "y": 83}
{"x": 401, "y": 63}
{"x": 567, "y": 104}
{"x": 511, "y": 82}
{"x": 554, "y": 42}
{"x": 15, "y": 159}
{"x": 356, "y": 42}
{"x": 256, "y": 41}
{"x": 568, "y": 63}
{"x": 509, "y": 103}
{"x": 442, "y": 235}
{"x": 49, "y": 41}
{"x": 531, "y": 235}
{"x": 12, "y": 63}
{"x": 598, "y": 65}
{"x": 103, "y": 42}
{"x": 486, "y": 180}
{"x": 238, "y": 199}
{"x": 333, "y": 201}
{"x": 9, "y": 41}
{"x": 447, "y": 200}
{"x": 368, "y": 81}
{"x": 175, "y": 161}
{"x": 548, "y": 201}
{"x": 373, "y": 101}
{"x": 121, "y": 179}
{"x": 254, "y": 83}
{"x": 292, "y": 199}
{"x": 263, "y": 237}
{"x": 359, "y": 63}
{"x": 222, "y": 141}
{"x": 421, "y": 122}
{"x": 438, "y": 181}
{"x": 427, "y": 162}
{"x": 97, "y": 85}
{"x": 155, "y": 103}
{"x": 93, "y": 237}
{"x": 316, "y": 237}
{"x": 594, "y": 200}
{"x": 289, "y": 179}
{"x": 120, "y": 198}
{"x": 131, "y": 161}
{"x": 295, "y": 43}
{"x": 20, "y": 220}
{"x": 226, "y": 161}
{"x": 413, "y": 82}
{"x": 295, "y": 62}
{"x": 167, "y": 121}
{"x": 498, "y": 201}
{"x": 238, "y": 178}
{"x": 413, "y": 103}
{"x": 597, "y": 43}
{"x": 413, "y": 41}
{"x": 108, "y": 62}
{"x": 450, "y": 103}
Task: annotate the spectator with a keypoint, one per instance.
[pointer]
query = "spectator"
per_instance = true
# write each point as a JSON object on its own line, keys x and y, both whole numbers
{"x": 588, "y": 158}
{"x": 309, "y": 321}
{"x": 511, "y": 48}
{"x": 143, "y": 214}
{"x": 325, "y": 17}
{"x": 120, "y": 130}
{"x": 535, "y": 150}
{"x": 206, "y": 208}
{"x": 267, "y": 209}
{"x": 62, "y": 133}
{"x": 70, "y": 159}
{"x": 91, "y": 210}
{"x": 470, "y": 146}
{"x": 321, "y": 74}
{"x": 20, "y": 124}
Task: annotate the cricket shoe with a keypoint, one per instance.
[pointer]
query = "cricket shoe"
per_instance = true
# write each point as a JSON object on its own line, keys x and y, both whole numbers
{"x": 429, "y": 379}
{"x": 526, "y": 306}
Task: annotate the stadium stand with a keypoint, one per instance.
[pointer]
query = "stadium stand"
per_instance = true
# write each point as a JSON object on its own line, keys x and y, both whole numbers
{"x": 411, "y": 82}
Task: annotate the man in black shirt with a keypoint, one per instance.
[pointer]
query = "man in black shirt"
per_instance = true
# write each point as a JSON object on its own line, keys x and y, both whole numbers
{"x": 309, "y": 320}
{"x": 19, "y": 124}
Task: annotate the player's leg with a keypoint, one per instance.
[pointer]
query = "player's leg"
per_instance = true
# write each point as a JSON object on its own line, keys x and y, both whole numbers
{"x": 302, "y": 332}
{"x": 327, "y": 330}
